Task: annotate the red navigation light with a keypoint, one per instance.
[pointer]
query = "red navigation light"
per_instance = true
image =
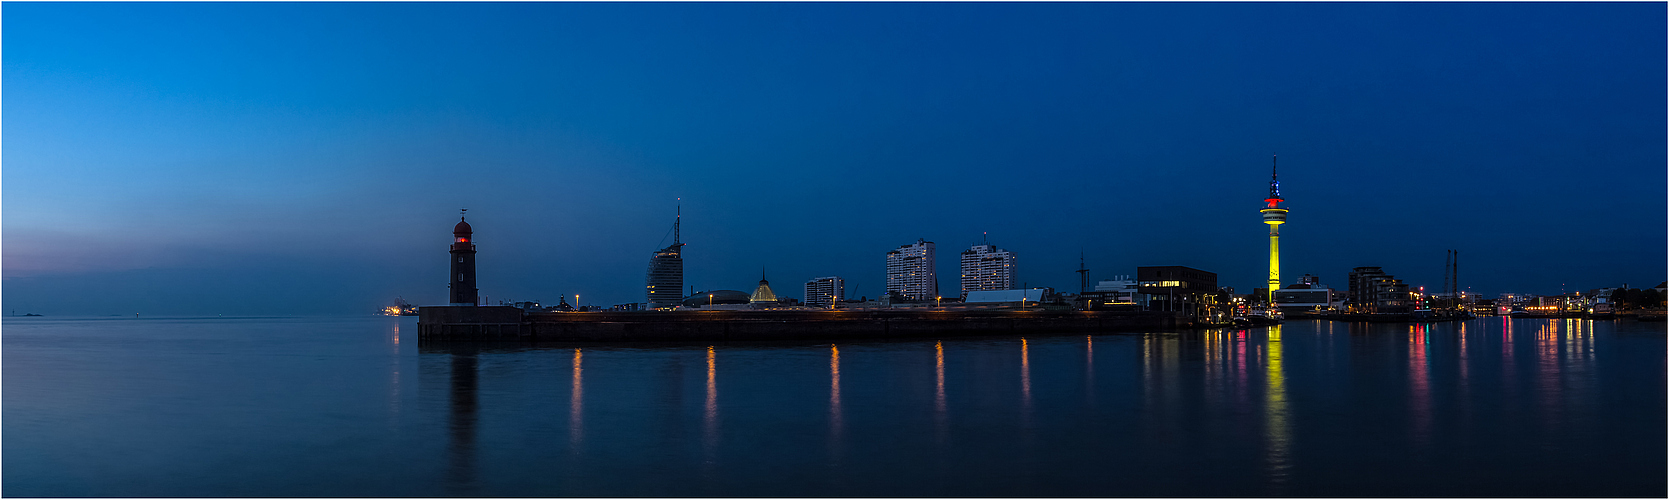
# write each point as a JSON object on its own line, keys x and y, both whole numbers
{"x": 463, "y": 240}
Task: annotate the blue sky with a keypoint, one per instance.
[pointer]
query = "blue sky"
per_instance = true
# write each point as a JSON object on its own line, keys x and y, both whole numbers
{"x": 298, "y": 158}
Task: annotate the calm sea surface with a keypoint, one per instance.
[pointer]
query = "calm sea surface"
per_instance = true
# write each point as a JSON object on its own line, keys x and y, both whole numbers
{"x": 357, "y": 406}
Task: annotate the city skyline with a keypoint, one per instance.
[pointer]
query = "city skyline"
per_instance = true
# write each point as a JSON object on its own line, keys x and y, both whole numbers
{"x": 280, "y": 173}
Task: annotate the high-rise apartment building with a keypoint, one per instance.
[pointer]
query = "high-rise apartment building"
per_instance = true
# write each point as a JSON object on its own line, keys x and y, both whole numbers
{"x": 910, "y": 271}
{"x": 986, "y": 267}
{"x": 825, "y": 291}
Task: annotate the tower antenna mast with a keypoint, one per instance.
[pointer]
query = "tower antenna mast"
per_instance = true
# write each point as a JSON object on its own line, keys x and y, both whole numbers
{"x": 675, "y": 220}
{"x": 1274, "y": 216}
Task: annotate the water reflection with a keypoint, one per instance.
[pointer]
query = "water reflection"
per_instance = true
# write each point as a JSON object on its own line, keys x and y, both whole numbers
{"x": 940, "y": 417}
{"x": 1240, "y": 375}
{"x": 710, "y": 417}
{"x": 1547, "y": 384}
{"x": 1089, "y": 370}
{"x": 576, "y": 406}
{"x": 1278, "y": 433}
{"x": 394, "y": 377}
{"x": 1025, "y": 376}
{"x": 1197, "y": 389}
{"x": 1419, "y": 383}
{"x": 1506, "y": 355}
{"x": 835, "y": 415}
{"x": 461, "y": 447}
{"x": 1463, "y": 359}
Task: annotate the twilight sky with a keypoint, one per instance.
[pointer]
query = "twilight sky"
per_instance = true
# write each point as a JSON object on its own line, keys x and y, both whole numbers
{"x": 302, "y": 158}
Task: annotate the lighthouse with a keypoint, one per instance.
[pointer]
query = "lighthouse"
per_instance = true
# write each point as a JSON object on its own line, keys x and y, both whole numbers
{"x": 1274, "y": 216}
{"x": 463, "y": 265}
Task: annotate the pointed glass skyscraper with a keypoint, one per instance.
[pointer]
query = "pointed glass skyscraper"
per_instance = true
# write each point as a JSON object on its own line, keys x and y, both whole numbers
{"x": 666, "y": 272}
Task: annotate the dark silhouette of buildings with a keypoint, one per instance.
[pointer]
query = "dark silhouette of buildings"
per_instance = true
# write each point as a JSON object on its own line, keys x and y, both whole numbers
{"x": 463, "y": 265}
{"x": 1374, "y": 292}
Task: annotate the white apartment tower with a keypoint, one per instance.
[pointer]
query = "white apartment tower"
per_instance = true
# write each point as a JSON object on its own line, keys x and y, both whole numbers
{"x": 986, "y": 267}
{"x": 825, "y": 291}
{"x": 910, "y": 271}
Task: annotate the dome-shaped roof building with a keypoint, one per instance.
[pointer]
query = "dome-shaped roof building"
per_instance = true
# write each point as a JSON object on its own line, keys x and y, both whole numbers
{"x": 716, "y": 297}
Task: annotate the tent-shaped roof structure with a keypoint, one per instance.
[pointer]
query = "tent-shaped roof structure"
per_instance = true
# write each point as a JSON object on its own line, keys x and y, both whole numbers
{"x": 763, "y": 293}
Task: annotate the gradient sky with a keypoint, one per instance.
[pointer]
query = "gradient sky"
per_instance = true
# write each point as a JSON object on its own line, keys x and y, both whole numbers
{"x": 305, "y": 158}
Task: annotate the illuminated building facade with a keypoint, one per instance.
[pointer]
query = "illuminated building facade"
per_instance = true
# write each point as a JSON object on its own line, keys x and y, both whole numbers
{"x": 462, "y": 286}
{"x": 1274, "y": 216}
{"x": 763, "y": 294}
{"x": 1119, "y": 290}
{"x": 1307, "y": 294}
{"x": 986, "y": 267}
{"x": 1176, "y": 289}
{"x": 825, "y": 291}
{"x": 910, "y": 271}
{"x": 665, "y": 280}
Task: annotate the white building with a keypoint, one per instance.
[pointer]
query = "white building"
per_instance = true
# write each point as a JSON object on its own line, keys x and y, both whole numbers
{"x": 1309, "y": 294}
{"x": 822, "y": 292}
{"x": 986, "y": 267}
{"x": 910, "y": 271}
{"x": 1122, "y": 289}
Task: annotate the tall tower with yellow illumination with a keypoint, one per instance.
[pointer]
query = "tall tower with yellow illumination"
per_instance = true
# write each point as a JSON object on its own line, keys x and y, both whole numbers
{"x": 1274, "y": 216}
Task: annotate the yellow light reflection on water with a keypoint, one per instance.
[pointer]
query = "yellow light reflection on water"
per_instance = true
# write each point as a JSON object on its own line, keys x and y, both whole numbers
{"x": 1275, "y": 410}
{"x": 939, "y": 370}
{"x": 576, "y": 403}
{"x": 1025, "y": 373}
{"x": 712, "y": 413}
{"x": 834, "y": 382}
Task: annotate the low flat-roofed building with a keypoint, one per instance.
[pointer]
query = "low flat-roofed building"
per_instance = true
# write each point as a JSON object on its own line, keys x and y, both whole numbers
{"x": 1308, "y": 295}
{"x": 1030, "y": 296}
{"x": 1176, "y": 289}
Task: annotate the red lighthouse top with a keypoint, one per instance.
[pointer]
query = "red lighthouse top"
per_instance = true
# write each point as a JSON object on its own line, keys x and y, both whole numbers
{"x": 461, "y": 236}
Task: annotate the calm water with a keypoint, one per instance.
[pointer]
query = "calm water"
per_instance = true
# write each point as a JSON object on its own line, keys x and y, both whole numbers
{"x": 356, "y": 406}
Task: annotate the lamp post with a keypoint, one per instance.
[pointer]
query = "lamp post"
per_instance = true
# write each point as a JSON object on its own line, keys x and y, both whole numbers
{"x": 709, "y": 300}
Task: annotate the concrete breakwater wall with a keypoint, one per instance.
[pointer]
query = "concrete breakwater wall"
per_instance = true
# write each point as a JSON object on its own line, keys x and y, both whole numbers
{"x": 506, "y": 323}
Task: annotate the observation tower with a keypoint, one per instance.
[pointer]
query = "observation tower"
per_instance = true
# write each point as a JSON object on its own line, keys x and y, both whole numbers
{"x": 1274, "y": 216}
